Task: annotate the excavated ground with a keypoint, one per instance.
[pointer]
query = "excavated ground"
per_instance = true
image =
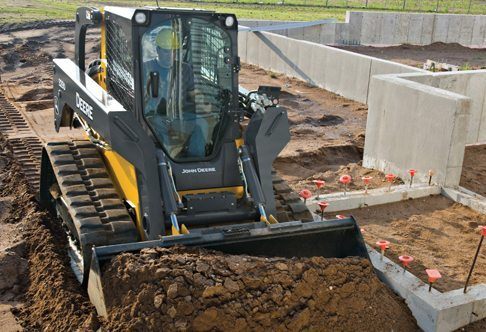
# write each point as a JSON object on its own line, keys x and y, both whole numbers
{"x": 437, "y": 232}
{"x": 416, "y": 56}
{"x": 474, "y": 169}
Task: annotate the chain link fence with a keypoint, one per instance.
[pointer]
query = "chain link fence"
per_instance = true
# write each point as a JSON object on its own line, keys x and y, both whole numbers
{"x": 439, "y": 6}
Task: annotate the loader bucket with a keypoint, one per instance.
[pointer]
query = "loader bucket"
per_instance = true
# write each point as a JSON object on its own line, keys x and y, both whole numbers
{"x": 330, "y": 238}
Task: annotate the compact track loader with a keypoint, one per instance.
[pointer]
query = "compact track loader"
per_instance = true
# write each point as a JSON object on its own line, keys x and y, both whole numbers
{"x": 169, "y": 157}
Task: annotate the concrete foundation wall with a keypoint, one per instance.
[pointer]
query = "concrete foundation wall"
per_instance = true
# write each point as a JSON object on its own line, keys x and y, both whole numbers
{"x": 468, "y": 83}
{"x": 386, "y": 28}
{"x": 345, "y": 73}
{"x": 414, "y": 125}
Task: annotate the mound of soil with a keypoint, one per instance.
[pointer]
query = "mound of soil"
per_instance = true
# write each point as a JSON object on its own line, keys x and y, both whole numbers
{"x": 54, "y": 300}
{"x": 201, "y": 290}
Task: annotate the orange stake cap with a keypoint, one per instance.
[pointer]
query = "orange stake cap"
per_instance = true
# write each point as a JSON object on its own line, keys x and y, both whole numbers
{"x": 319, "y": 183}
{"x": 340, "y": 216}
{"x": 483, "y": 230}
{"x": 405, "y": 259}
{"x": 383, "y": 244}
{"x": 345, "y": 179}
{"x": 433, "y": 275}
{"x": 412, "y": 172}
{"x": 305, "y": 193}
{"x": 362, "y": 230}
{"x": 390, "y": 177}
{"x": 323, "y": 205}
{"x": 367, "y": 179}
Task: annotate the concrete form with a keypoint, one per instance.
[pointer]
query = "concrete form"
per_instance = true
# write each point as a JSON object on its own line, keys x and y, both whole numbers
{"x": 429, "y": 130}
{"x": 388, "y": 28}
{"x": 434, "y": 311}
{"x": 358, "y": 199}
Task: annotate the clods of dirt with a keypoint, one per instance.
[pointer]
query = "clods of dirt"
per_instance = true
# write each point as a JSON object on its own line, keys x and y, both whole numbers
{"x": 201, "y": 290}
{"x": 437, "y": 232}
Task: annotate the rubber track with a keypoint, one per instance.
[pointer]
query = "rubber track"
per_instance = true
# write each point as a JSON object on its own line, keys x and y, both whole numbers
{"x": 27, "y": 152}
{"x": 11, "y": 120}
{"x": 98, "y": 214}
{"x": 289, "y": 205}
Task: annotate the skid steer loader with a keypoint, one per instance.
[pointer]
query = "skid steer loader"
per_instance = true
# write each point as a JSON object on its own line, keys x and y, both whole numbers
{"x": 170, "y": 157}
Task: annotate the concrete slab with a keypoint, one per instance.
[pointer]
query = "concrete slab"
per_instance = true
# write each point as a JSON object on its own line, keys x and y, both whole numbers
{"x": 402, "y": 26}
{"x": 358, "y": 199}
{"x": 479, "y": 31}
{"x": 312, "y": 34}
{"x": 454, "y": 28}
{"x": 440, "y": 28}
{"x": 328, "y": 33}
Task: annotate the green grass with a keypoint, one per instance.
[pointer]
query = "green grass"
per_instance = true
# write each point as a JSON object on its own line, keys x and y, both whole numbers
{"x": 297, "y": 10}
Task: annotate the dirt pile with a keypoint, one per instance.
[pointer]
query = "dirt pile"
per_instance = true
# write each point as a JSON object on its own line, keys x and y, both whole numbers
{"x": 201, "y": 290}
{"x": 53, "y": 299}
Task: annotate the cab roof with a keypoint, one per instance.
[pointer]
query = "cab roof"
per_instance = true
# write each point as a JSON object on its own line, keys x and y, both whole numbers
{"x": 128, "y": 12}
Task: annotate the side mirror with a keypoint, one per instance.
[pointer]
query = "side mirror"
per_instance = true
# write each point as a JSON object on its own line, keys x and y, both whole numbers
{"x": 154, "y": 84}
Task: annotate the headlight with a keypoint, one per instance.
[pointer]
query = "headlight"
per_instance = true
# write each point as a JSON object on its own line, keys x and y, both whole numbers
{"x": 140, "y": 18}
{"x": 229, "y": 21}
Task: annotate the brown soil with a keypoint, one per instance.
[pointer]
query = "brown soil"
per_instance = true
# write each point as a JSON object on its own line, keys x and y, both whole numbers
{"x": 474, "y": 169}
{"x": 437, "y": 232}
{"x": 416, "y": 56}
{"x": 201, "y": 290}
{"x": 327, "y": 133}
{"x": 35, "y": 271}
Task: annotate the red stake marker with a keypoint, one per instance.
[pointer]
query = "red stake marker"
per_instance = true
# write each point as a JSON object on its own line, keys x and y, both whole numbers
{"x": 340, "y": 216}
{"x": 412, "y": 174}
{"x": 367, "y": 181}
{"x": 345, "y": 180}
{"x": 383, "y": 244}
{"x": 323, "y": 206}
{"x": 433, "y": 275}
{"x": 406, "y": 260}
{"x": 319, "y": 184}
{"x": 305, "y": 194}
{"x": 389, "y": 178}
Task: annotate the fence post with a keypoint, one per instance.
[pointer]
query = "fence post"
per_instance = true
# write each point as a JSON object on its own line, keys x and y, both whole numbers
{"x": 404, "y": 3}
{"x": 327, "y": 3}
{"x": 366, "y": 5}
{"x": 469, "y": 8}
{"x": 437, "y": 7}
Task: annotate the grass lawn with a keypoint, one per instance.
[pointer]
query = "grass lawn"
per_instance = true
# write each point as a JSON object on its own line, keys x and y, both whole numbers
{"x": 297, "y": 10}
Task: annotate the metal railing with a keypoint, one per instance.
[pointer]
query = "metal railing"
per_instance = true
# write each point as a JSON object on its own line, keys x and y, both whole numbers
{"x": 439, "y": 6}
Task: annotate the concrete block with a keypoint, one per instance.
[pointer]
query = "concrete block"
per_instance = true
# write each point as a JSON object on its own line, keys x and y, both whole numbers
{"x": 342, "y": 34}
{"x": 328, "y": 33}
{"x": 354, "y": 26}
{"x": 479, "y": 31}
{"x": 242, "y": 47}
{"x": 482, "y": 126}
{"x": 318, "y": 69}
{"x": 454, "y": 28}
{"x": 466, "y": 31}
{"x": 476, "y": 90}
{"x": 402, "y": 26}
{"x": 428, "y": 21}
{"x": 398, "y": 134}
{"x": 312, "y": 34}
{"x": 415, "y": 29}
{"x": 387, "y": 29}
{"x": 441, "y": 27}
{"x": 296, "y": 33}
{"x": 305, "y": 63}
{"x": 371, "y": 29}
{"x": 252, "y": 48}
